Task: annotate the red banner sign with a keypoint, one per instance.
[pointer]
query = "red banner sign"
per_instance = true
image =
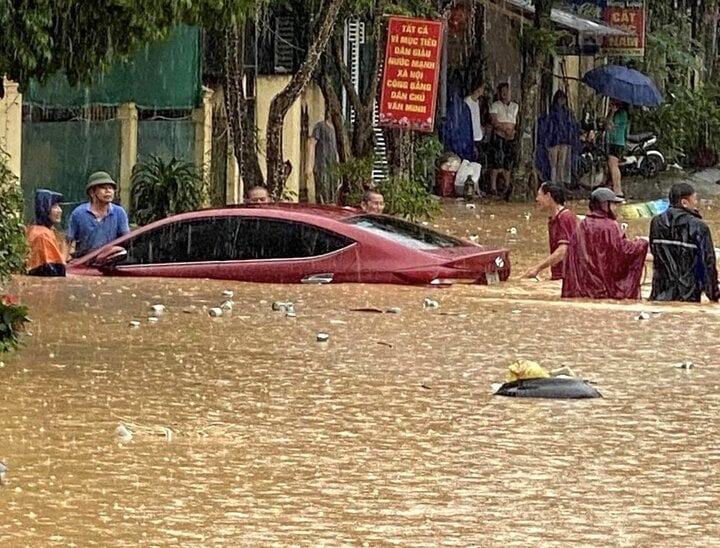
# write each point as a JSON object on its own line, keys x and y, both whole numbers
{"x": 630, "y": 19}
{"x": 410, "y": 75}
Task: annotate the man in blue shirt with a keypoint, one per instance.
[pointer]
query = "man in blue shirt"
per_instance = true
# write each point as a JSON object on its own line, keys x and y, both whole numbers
{"x": 99, "y": 221}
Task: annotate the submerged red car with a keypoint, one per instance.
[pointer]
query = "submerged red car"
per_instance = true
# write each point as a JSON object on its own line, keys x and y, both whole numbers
{"x": 294, "y": 243}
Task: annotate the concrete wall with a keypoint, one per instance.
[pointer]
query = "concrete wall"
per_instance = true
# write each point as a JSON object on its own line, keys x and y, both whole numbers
{"x": 11, "y": 125}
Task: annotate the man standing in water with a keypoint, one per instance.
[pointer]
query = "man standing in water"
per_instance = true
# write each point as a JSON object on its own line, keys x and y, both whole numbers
{"x": 684, "y": 262}
{"x": 561, "y": 226}
{"x": 601, "y": 263}
{"x": 99, "y": 221}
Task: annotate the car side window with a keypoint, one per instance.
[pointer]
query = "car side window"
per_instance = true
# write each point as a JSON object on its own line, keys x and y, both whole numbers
{"x": 230, "y": 238}
{"x": 165, "y": 244}
{"x": 263, "y": 239}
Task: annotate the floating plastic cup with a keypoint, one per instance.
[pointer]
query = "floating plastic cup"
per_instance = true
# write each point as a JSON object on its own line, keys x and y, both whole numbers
{"x": 279, "y": 305}
{"x": 227, "y": 305}
{"x": 123, "y": 434}
{"x": 215, "y": 312}
{"x": 290, "y": 308}
{"x": 323, "y": 337}
{"x": 227, "y": 293}
{"x": 134, "y": 324}
{"x": 513, "y": 231}
{"x": 469, "y": 206}
{"x": 643, "y": 316}
{"x": 152, "y": 319}
{"x": 158, "y": 309}
{"x": 429, "y": 303}
{"x": 291, "y": 315}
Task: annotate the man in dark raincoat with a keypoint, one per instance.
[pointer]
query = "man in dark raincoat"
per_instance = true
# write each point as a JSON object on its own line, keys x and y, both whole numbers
{"x": 684, "y": 262}
{"x": 601, "y": 262}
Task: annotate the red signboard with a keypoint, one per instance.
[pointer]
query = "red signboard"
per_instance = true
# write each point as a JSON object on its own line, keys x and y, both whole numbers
{"x": 410, "y": 75}
{"x": 630, "y": 19}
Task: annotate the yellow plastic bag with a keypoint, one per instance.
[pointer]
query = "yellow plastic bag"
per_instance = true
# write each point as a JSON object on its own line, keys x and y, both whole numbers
{"x": 525, "y": 369}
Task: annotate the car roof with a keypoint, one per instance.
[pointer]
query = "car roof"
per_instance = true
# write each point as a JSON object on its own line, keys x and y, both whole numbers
{"x": 330, "y": 211}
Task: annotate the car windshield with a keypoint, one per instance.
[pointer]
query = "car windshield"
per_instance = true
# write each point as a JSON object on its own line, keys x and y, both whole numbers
{"x": 405, "y": 233}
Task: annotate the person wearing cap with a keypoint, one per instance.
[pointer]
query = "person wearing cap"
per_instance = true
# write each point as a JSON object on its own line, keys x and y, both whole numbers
{"x": 98, "y": 221}
{"x": 684, "y": 261}
{"x": 46, "y": 257}
{"x": 562, "y": 224}
{"x": 601, "y": 262}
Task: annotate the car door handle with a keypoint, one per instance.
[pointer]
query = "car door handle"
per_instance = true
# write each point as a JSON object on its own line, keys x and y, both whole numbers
{"x": 324, "y": 278}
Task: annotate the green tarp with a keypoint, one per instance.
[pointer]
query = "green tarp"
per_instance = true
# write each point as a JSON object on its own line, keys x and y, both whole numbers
{"x": 61, "y": 155}
{"x": 164, "y": 75}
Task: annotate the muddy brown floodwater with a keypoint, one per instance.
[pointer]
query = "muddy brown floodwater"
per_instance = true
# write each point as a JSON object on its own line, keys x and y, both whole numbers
{"x": 247, "y": 432}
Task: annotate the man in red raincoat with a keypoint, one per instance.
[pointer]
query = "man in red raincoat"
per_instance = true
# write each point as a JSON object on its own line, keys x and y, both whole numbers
{"x": 601, "y": 263}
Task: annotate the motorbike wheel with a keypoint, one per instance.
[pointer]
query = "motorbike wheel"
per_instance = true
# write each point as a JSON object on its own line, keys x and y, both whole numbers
{"x": 651, "y": 167}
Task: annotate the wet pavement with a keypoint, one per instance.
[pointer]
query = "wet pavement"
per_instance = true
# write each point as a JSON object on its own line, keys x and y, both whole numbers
{"x": 245, "y": 431}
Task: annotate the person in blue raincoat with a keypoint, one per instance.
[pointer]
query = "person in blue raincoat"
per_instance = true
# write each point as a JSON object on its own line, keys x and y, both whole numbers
{"x": 558, "y": 142}
{"x": 457, "y": 135}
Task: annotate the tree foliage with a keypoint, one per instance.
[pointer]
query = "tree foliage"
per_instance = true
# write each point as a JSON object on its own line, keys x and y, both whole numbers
{"x": 43, "y": 37}
{"x": 161, "y": 189}
{"x": 13, "y": 246}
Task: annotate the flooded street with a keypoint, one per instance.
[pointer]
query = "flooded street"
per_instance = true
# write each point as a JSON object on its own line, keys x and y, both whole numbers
{"x": 248, "y": 432}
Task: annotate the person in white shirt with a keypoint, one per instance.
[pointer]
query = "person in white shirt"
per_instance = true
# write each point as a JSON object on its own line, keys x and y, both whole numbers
{"x": 473, "y": 103}
{"x": 504, "y": 113}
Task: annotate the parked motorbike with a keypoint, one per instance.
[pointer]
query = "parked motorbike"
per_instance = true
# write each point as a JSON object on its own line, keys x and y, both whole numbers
{"x": 643, "y": 157}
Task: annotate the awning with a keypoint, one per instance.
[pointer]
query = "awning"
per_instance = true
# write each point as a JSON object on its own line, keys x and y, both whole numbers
{"x": 561, "y": 17}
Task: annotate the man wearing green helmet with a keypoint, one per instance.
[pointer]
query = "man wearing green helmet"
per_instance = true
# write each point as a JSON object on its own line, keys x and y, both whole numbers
{"x": 98, "y": 221}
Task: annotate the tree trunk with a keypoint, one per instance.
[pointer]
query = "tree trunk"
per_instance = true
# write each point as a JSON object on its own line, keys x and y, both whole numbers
{"x": 242, "y": 131}
{"x": 277, "y": 171}
{"x": 708, "y": 34}
{"x": 363, "y": 103}
{"x": 332, "y": 103}
{"x": 534, "y": 61}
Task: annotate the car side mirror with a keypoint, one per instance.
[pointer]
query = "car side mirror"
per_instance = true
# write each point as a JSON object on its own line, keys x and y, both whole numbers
{"x": 110, "y": 257}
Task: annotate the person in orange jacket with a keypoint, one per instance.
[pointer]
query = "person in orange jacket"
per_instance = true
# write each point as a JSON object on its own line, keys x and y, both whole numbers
{"x": 46, "y": 257}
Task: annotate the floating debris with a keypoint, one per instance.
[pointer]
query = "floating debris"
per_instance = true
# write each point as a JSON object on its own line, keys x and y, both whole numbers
{"x": 469, "y": 206}
{"x": 123, "y": 434}
{"x": 393, "y": 310}
{"x": 383, "y": 343}
{"x": 158, "y": 309}
{"x": 153, "y": 319}
{"x": 528, "y": 216}
{"x": 290, "y": 308}
{"x": 227, "y": 305}
{"x": 624, "y": 227}
{"x": 512, "y": 231}
{"x": 291, "y": 315}
{"x": 280, "y": 306}
{"x": 323, "y": 337}
{"x": 643, "y": 316}
{"x": 228, "y": 293}
{"x": 684, "y": 365}
{"x": 3, "y": 471}
{"x": 429, "y": 303}
{"x": 425, "y": 386}
{"x": 215, "y": 312}
{"x": 190, "y": 309}
{"x": 134, "y": 324}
